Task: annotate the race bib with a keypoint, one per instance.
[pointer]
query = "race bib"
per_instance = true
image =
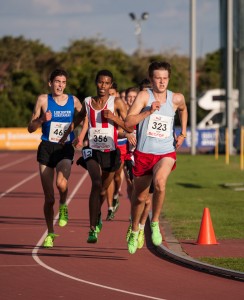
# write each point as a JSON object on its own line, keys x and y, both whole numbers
{"x": 101, "y": 138}
{"x": 159, "y": 126}
{"x": 86, "y": 153}
{"x": 57, "y": 130}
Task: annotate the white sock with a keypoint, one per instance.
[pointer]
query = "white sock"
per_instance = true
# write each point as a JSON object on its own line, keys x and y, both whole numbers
{"x": 141, "y": 226}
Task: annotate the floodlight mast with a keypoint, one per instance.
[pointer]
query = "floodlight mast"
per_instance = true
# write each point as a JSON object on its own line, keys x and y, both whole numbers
{"x": 138, "y": 28}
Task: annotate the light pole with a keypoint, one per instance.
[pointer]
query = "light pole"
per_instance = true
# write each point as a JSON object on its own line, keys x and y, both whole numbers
{"x": 144, "y": 17}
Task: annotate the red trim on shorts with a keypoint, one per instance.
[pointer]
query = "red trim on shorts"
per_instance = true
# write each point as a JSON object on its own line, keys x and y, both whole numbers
{"x": 123, "y": 151}
{"x": 144, "y": 162}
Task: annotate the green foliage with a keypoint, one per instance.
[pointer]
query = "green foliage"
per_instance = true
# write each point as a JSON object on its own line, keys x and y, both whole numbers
{"x": 210, "y": 72}
{"x": 25, "y": 66}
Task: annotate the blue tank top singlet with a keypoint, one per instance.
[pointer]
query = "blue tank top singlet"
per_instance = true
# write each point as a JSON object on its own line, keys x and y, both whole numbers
{"x": 155, "y": 134}
{"x": 62, "y": 116}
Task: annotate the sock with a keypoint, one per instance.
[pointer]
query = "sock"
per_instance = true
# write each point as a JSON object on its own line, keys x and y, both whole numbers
{"x": 141, "y": 226}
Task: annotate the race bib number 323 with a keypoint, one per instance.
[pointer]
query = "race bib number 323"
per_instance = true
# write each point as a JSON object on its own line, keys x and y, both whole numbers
{"x": 159, "y": 126}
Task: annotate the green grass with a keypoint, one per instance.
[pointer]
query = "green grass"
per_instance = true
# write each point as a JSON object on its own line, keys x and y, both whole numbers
{"x": 236, "y": 264}
{"x": 197, "y": 183}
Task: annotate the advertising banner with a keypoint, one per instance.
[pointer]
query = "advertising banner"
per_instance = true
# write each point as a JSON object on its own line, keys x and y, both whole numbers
{"x": 19, "y": 139}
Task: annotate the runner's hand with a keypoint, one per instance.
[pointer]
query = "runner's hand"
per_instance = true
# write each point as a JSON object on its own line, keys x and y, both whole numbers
{"x": 108, "y": 114}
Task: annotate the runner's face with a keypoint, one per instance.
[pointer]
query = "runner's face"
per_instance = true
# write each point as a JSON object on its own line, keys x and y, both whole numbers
{"x": 112, "y": 92}
{"x": 131, "y": 97}
{"x": 104, "y": 83}
{"x": 58, "y": 85}
{"x": 160, "y": 80}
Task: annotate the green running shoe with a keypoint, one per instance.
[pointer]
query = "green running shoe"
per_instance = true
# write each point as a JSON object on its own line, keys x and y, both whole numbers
{"x": 156, "y": 235}
{"x": 128, "y": 232}
{"x": 48, "y": 242}
{"x": 133, "y": 242}
{"x": 63, "y": 215}
{"x": 110, "y": 215}
{"x": 141, "y": 238}
{"x": 99, "y": 225}
{"x": 92, "y": 237}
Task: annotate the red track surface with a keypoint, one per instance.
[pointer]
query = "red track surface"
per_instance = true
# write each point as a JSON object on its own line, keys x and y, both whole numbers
{"x": 74, "y": 269}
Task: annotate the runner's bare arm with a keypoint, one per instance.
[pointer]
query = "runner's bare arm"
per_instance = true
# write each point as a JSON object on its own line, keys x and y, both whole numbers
{"x": 79, "y": 117}
{"x": 40, "y": 114}
{"x": 179, "y": 103}
{"x": 78, "y": 142}
{"x": 135, "y": 114}
{"x": 77, "y": 104}
{"x": 120, "y": 114}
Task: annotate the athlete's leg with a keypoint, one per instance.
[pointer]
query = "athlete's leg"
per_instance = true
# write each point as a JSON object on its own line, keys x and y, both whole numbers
{"x": 47, "y": 177}
{"x": 63, "y": 170}
{"x": 139, "y": 197}
{"x": 95, "y": 173}
{"x": 161, "y": 171}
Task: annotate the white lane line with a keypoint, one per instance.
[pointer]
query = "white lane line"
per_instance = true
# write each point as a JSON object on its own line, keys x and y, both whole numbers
{"x": 18, "y": 184}
{"x": 41, "y": 263}
{"x": 16, "y": 162}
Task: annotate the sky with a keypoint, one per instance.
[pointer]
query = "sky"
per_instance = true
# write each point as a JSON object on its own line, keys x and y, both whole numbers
{"x": 56, "y": 23}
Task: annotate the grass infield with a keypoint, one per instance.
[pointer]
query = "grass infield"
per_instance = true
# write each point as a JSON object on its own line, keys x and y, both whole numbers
{"x": 201, "y": 181}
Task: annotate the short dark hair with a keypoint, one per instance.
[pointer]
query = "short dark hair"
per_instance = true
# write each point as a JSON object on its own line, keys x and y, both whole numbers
{"x": 114, "y": 86}
{"x": 131, "y": 89}
{"x": 104, "y": 73}
{"x": 159, "y": 66}
{"x": 145, "y": 83}
{"x": 58, "y": 72}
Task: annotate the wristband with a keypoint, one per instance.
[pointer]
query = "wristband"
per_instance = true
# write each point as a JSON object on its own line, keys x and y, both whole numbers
{"x": 181, "y": 134}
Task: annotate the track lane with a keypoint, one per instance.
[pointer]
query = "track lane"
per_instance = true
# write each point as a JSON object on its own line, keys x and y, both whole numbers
{"x": 106, "y": 263}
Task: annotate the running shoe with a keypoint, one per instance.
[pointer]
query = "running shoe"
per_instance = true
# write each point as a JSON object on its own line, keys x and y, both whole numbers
{"x": 99, "y": 225}
{"x": 156, "y": 235}
{"x": 63, "y": 215}
{"x": 128, "y": 232}
{"x": 92, "y": 237}
{"x": 133, "y": 242}
{"x": 110, "y": 215}
{"x": 141, "y": 238}
{"x": 115, "y": 204}
{"x": 48, "y": 242}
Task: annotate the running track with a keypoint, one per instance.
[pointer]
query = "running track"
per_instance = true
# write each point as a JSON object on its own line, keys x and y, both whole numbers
{"x": 74, "y": 269}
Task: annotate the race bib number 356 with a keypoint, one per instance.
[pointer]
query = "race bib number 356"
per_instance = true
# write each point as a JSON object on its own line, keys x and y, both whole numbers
{"x": 101, "y": 138}
{"x": 159, "y": 126}
{"x": 57, "y": 130}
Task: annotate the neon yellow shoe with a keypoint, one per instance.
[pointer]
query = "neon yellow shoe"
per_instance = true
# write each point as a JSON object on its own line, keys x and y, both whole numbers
{"x": 48, "y": 242}
{"x": 141, "y": 238}
{"x": 133, "y": 242}
{"x": 63, "y": 215}
{"x": 128, "y": 232}
{"x": 99, "y": 225}
{"x": 156, "y": 235}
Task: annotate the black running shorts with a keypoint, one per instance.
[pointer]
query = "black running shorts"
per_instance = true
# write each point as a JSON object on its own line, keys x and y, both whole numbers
{"x": 109, "y": 161}
{"x": 50, "y": 154}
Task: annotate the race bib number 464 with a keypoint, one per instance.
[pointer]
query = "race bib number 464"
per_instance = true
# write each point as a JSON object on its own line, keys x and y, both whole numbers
{"x": 159, "y": 126}
{"x": 57, "y": 130}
